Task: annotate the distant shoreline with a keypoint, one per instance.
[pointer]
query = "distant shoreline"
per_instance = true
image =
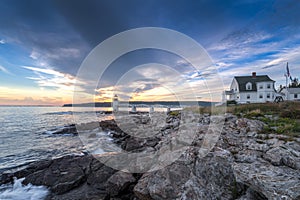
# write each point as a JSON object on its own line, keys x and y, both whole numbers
{"x": 145, "y": 103}
{"x": 30, "y": 106}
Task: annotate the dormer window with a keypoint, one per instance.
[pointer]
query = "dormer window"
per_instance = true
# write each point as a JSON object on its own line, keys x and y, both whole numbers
{"x": 249, "y": 86}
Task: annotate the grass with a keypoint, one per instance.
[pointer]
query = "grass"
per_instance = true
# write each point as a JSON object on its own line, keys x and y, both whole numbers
{"x": 286, "y": 126}
{"x": 280, "y": 118}
{"x": 174, "y": 113}
{"x": 208, "y": 109}
{"x": 284, "y": 109}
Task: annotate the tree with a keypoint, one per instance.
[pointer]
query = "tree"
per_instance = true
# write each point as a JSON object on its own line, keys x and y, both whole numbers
{"x": 295, "y": 83}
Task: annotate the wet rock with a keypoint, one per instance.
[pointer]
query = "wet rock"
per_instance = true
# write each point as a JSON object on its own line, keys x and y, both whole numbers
{"x": 31, "y": 168}
{"x": 88, "y": 126}
{"x": 110, "y": 125}
{"x": 68, "y": 129}
{"x": 76, "y": 177}
{"x": 133, "y": 143}
{"x": 99, "y": 174}
{"x": 62, "y": 175}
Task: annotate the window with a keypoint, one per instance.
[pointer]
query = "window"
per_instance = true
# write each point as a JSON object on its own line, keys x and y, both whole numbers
{"x": 249, "y": 86}
{"x": 248, "y": 96}
{"x": 268, "y": 95}
{"x": 260, "y": 96}
{"x": 269, "y": 86}
{"x": 295, "y": 96}
{"x": 261, "y": 86}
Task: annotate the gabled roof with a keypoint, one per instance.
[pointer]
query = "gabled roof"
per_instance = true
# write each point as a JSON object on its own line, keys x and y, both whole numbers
{"x": 243, "y": 80}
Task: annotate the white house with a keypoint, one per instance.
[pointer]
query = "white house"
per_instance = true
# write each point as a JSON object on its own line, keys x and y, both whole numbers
{"x": 251, "y": 89}
{"x": 291, "y": 94}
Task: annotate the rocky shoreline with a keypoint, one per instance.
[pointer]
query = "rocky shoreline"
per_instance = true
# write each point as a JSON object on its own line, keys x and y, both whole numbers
{"x": 244, "y": 164}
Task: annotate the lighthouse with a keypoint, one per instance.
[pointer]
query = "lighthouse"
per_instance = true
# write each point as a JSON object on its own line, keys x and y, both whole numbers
{"x": 115, "y": 103}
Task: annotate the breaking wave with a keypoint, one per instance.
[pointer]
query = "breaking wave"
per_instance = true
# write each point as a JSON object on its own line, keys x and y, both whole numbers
{"x": 18, "y": 191}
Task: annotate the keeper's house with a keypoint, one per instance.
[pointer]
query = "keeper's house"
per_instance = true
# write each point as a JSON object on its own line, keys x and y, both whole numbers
{"x": 251, "y": 89}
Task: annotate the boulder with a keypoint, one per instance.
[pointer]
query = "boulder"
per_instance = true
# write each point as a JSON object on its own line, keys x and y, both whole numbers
{"x": 68, "y": 129}
{"x": 210, "y": 177}
{"x": 273, "y": 182}
{"x": 283, "y": 156}
{"x": 62, "y": 175}
{"x": 163, "y": 184}
{"x": 119, "y": 182}
{"x": 213, "y": 178}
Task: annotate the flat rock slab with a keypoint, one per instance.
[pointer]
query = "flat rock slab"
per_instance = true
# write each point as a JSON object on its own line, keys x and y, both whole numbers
{"x": 275, "y": 182}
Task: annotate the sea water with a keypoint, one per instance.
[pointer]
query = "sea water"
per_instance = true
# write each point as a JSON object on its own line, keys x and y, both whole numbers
{"x": 24, "y": 138}
{"x": 17, "y": 191}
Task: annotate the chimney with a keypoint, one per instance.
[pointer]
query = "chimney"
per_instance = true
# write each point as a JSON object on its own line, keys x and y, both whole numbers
{"x": 253, "y": 74}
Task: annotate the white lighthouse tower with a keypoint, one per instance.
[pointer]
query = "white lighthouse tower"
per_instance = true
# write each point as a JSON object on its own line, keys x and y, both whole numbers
{"x": 115, "y": 103}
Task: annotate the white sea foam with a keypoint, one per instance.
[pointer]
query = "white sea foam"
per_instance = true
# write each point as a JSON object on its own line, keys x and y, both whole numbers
{"x": 17, "y": 191}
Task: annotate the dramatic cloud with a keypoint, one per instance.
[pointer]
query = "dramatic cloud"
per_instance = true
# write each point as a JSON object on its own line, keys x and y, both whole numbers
{"x": 52, "y": 38}
{"x": 54, "y": 79}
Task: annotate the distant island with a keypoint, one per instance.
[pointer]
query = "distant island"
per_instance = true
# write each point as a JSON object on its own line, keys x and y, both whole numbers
{"x": 145, "y": 104}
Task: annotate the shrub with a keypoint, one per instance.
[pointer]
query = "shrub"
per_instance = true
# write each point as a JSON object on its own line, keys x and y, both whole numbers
{"x": 231, "y": 102}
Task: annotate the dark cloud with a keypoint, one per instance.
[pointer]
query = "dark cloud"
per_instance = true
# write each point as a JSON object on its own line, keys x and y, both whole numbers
{"x": 95, "y": 20}
{"x": 98, "y": 20}
{"x": 38, "y": 28}
{"x": 61, "y": 33}
{"x": 47, "y": 27}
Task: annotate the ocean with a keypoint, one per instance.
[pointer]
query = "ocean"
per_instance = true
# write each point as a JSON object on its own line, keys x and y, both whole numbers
{"x": 25, "y": 133}
{"x": 26, "y": 136}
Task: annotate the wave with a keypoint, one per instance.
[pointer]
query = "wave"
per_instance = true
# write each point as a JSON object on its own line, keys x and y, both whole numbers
{"x": 18, "y": 191}
{"x": 63, "y": 130}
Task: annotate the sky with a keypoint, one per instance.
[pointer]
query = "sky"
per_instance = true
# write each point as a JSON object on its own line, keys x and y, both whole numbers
{"x": 44, "y": 43}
